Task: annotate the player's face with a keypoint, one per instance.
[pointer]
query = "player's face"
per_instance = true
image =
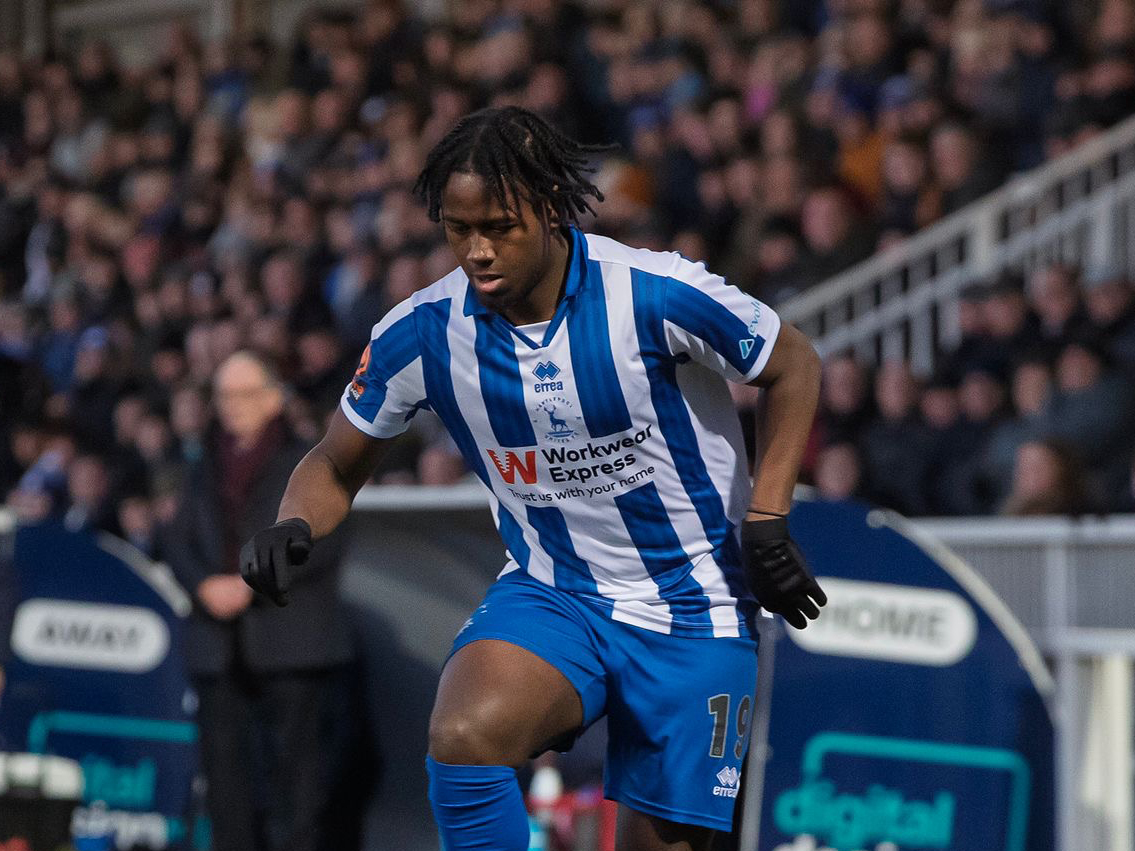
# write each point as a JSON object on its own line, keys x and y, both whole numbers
{"x": 514, "y": 259}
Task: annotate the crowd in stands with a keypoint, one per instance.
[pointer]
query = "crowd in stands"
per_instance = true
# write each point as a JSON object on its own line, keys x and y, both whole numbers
{"x": 241, "y": 194}
{"x": 1032, "y": 413}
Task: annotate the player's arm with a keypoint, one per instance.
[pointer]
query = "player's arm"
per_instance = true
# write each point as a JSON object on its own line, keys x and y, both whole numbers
{"x": 774, "y": 566}
{"x": 317, "y": 499}
{"x": 387, "y": 390}
{"x": 791, "y": 380}
{"x": 745, "y": 341}
{"x": 324, "y": 484}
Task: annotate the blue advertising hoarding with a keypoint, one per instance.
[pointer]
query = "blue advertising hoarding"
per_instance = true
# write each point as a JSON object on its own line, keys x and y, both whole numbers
{"x": 96, "y": 675}
{"x": 912, "y": 714}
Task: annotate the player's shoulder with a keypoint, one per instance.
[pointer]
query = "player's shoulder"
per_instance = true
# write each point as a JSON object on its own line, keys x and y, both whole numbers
{"x": 449, "y": 286}
{"x": 659, "y": 264}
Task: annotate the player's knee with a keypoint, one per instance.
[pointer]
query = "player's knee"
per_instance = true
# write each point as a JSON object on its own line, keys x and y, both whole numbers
{"x": 467, "y": 739}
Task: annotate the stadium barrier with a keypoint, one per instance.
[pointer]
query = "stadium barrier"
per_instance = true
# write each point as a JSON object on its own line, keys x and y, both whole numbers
{"x": 421, "y": 558}
{"x": 1068, "y": 582}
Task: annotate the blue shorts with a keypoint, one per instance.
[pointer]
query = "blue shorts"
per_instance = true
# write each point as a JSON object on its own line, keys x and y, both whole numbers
{"x": 678, "y": 709}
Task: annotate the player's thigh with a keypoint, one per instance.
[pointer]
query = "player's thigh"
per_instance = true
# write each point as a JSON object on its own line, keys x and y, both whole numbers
{"x": 498, "y": 704}
{"x": 678, "y": 715}
{"x": 642, "y": 832}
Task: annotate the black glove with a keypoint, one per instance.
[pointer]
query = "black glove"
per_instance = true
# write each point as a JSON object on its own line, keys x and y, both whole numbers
{"x": 777, "y": 573}
{"x": 267, "y": 559}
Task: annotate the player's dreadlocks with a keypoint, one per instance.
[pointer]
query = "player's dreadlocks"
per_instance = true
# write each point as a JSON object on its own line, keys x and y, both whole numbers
{"x": 519, "y": 155}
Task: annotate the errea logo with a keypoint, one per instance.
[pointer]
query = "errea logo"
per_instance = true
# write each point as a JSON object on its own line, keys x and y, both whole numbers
{"x": 730, "y": 780}
{"x": 545, "y": 370}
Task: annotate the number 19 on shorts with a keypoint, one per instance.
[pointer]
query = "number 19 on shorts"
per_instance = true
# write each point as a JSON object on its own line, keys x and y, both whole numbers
{"x": 718, "y": 706}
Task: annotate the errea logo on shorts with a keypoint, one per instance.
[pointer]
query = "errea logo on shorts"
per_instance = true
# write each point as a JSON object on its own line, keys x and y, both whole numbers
{"x": 730, "y": 780}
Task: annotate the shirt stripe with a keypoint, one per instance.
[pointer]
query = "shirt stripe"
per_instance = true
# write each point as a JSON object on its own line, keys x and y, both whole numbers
{"x": 697, "y": 313}
{"x": 512, "y": 535}
{"x": 604, "y": 407}
{"x": 648, "y": 293}
{"x": 501, "y": 386}
{"x": 439, "y": 385}
{"x": 571, "y": 572}
{"x": 661, "y": 552}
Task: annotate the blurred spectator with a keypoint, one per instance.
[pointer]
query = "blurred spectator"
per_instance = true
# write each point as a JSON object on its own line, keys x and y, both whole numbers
{"x": 1092, "y": 408}
{"x": 961, "y": 486}
{"x": 1055, "y": 297}
{"x": 189, "y": 416}
{"x": 909, "y": 200}
{"x": 839, "y": 472}
{"x": 896, "y": 446}
{"x": 939, "y": 409}
{"x": 40, "y": 492}
{"x": 778, "y": 254}
{"x": 961, "y": 171}
{"x": 89, "y": 506}
{"x": 1030, "y": 391}
{"x": 322, "y": 365}
{"x": 996, "y": 326}
{"x": 138, "y": 525}
{"x": 973, "y": 333}
{"x": 95, "y": 389}
{"x": 1010, "y": 328}
{"x": 844, "y": 408}
{"x": 1110, "y": 303}
{"x": 1046, "y": 480}
{"x": 259, "y": 670}
{"x": 833, "y": 238}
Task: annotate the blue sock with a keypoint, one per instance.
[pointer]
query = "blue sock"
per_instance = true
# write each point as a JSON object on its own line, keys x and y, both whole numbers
{"x": 478, "y": 807}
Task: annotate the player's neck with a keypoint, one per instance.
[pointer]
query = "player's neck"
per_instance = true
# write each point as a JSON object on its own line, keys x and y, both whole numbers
{"x": 540, "y": 304}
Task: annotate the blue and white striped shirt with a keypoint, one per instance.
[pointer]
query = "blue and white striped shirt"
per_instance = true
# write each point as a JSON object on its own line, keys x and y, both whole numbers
{"x": 610, "y": 447}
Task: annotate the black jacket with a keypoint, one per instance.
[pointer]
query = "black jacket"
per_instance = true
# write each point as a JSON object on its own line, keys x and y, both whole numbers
{"x": 308, "y": 632}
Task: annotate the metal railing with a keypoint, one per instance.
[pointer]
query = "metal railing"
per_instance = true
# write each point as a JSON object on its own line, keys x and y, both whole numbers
{"x": 1070, "y": 585}
{"x": 902, "y": 303}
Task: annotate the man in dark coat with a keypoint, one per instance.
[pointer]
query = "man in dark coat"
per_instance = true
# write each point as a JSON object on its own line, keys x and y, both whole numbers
{"x": 261, "y": 672}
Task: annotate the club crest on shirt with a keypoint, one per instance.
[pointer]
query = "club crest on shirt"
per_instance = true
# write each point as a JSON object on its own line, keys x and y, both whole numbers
{"x": 556, "y": 417}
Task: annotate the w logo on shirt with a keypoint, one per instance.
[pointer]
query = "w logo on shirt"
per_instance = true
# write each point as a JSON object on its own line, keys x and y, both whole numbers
{"x": 513, "y": 465}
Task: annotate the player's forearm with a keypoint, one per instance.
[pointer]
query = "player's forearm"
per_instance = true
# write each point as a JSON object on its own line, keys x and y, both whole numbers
{"x": 319, "y": 494}
{"x": 790, "y": 406}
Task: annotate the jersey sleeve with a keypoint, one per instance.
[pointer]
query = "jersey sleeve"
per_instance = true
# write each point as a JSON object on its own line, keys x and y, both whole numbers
{"x": 388, "y": 387}
{"x": 717, "y": 325}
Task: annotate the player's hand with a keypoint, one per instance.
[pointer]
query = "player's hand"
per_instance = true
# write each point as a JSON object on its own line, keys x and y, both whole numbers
{"x": 266, "y": 560}
{"x": 777, "y": 573}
